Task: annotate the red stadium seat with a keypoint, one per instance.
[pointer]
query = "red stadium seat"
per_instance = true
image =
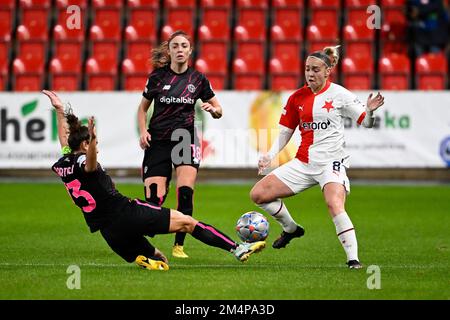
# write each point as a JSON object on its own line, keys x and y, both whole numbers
{"x": 216, "y": 25}
{"x": 285, "y": 59}
{"x": 4, "y": 57}
{"x": 143, "y": 4}
{"x": 105, "y": 50}
{"x": 142, "y": 25}
{"x": 217, "y": 82}
{"x": 251, "y": 25}
{"x": 107, "y": 4}
{"x": 358, "y": 3}
{"x": 357, "y": 17}
{"x": 107, "y": 25}
{"x": 138, "y": 50}
{"x": 319, "y": 37}
{"x": 263, "y": 4}
{"x": 324, "y": 4}
{"x": 431, "y": 72}
{"x": 393, "y": 3}
{"x": 28, "y": 67}
{"x": 249, "y": 59}
{"x": 357, "y": 72}
{"x": 31, "y": 58}
{"x": 286, "y": 25}
{"x": 179, "y": 19}
{"x": 134, "y": 82}
{"x": 27, "y": 82}
{"x": 65, "y": 82}
{"x": 358, "y": 40}
{"x": 213, "y": 57}
{"x": 61, "y": 31}
{"x": 8, "y": 4}
{"x": 68, "y": 47}
{"x": 287, "y": 3}
{"x": 248, "y": 82}
{"x": 284, "y": 82}
{"x": 394, "y": 71}
{"x": 34, "y": 25}
{"x": 6, "y": 24}
{"x": 63, "y": 4}
{"x": 180, "y": 4}
{"x": 101, "y": 83}
{"x": 3, "y": 82}
{"x": 324, "y": 17}
{"x": 34, "y": 3}
{"x": 65, "y": 71}
{"x": 216, "y": 4}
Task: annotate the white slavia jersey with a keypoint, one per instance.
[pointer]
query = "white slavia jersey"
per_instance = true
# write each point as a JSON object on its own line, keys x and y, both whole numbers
{"x": 320, "y": 117}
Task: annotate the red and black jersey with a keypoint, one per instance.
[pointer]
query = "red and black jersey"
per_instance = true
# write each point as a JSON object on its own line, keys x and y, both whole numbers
{"x": 174, "y": 96}
{"x": 94, "y": 192}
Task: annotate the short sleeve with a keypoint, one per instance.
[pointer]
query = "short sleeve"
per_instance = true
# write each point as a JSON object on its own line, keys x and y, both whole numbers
{"x": 150, "y": 89}
{"x": 353, "y": 108}
{"x": 289, "y": 117}
{"x": 207, "y": 92}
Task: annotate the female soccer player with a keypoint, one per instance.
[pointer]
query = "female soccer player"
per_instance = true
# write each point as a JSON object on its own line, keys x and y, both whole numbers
{"x": 318, "y": 109}
{"x": 174, "y": 87}
{"x": 123, "y": 222}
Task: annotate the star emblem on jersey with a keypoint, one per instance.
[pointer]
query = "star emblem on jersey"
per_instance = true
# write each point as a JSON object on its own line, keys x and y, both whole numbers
{"x": 328, "y": 105}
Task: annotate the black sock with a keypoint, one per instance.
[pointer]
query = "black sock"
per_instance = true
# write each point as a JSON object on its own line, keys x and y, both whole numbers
{"x": 213, "y": 237}
{"x": 185, "y": 205}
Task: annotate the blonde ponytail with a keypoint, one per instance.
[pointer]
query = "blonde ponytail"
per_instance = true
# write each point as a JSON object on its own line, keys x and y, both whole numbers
{"x": 333, "y": 54}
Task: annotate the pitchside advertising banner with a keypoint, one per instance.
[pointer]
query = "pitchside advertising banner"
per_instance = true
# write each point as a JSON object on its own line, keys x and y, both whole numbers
{"x": 412, "y": 130}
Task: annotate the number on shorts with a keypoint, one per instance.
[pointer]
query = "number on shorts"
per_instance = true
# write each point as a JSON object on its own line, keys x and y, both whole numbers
{"x": 76, "y": 193}
{"x": 336, "y": 166}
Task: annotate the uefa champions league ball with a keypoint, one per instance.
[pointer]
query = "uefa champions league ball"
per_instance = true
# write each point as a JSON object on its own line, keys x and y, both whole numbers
{"x": 252, "y": 226}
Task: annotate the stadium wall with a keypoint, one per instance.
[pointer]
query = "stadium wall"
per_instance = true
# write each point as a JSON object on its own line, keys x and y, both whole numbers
{"x": 411, "y": 137}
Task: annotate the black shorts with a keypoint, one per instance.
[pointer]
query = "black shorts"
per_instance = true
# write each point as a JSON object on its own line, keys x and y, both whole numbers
{"x": 158, "y": 160}
{"x": 125, "y": 235}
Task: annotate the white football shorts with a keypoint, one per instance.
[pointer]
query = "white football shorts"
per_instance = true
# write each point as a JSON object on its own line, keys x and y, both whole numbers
{"x": 299, "y": 176}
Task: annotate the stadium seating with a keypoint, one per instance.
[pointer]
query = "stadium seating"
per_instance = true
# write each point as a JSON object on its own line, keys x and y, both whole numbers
{"x": 394, "y": 69}
{"x": 215, "y": 25}
{"x": 286, "y": 25}
{"x": 431, "y": 72}
{"x": 357, "y": 72}
{"x": 285, "y": 67}
{"x": 216, "y": 4}
{"x": 179, "y": 19}
{"x": 238, "y": 44}
{"x": 251, "y": 25}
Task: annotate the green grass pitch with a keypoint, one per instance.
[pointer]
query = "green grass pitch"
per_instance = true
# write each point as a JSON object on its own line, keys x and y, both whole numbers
{"x": 403, "y": 230}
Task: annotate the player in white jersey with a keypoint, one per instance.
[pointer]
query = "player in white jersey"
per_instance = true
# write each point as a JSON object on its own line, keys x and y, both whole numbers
{"x": 318, "y": 109}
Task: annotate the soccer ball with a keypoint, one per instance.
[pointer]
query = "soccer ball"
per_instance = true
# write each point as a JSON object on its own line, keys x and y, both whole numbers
{"x": 252, "y": 226}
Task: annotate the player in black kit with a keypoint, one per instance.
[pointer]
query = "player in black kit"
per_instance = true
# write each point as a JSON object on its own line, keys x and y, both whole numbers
{"x": 173, "y": 87}
{"x": 123, "y": 222}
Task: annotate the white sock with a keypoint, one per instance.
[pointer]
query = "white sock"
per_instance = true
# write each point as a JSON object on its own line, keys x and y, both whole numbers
{"x": 279, "y": 212}
{"x": 346, "y": 234}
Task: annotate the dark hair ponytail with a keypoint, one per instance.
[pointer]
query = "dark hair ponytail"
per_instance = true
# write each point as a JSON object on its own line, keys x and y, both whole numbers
{"x": 77, "y": 132}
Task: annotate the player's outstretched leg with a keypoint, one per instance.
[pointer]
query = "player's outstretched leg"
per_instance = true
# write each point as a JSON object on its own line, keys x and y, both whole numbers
{"x": 212, "y": 236}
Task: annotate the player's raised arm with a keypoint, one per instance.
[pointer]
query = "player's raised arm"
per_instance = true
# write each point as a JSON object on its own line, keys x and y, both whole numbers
{"x": 91, "y": 154}
{"x": 142, "y": 122}
{"x": 63, "y": 128}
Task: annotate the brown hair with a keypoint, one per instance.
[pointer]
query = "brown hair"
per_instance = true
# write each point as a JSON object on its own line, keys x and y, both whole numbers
{"x": 160, "y": 55}
{"x": 77, "y": 132}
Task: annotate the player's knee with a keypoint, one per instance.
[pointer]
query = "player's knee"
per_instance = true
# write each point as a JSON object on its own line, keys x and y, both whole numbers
{"x": 335, "y": 205}
{"x": 188, "y": 224}
{"x": 258, "y": 195}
